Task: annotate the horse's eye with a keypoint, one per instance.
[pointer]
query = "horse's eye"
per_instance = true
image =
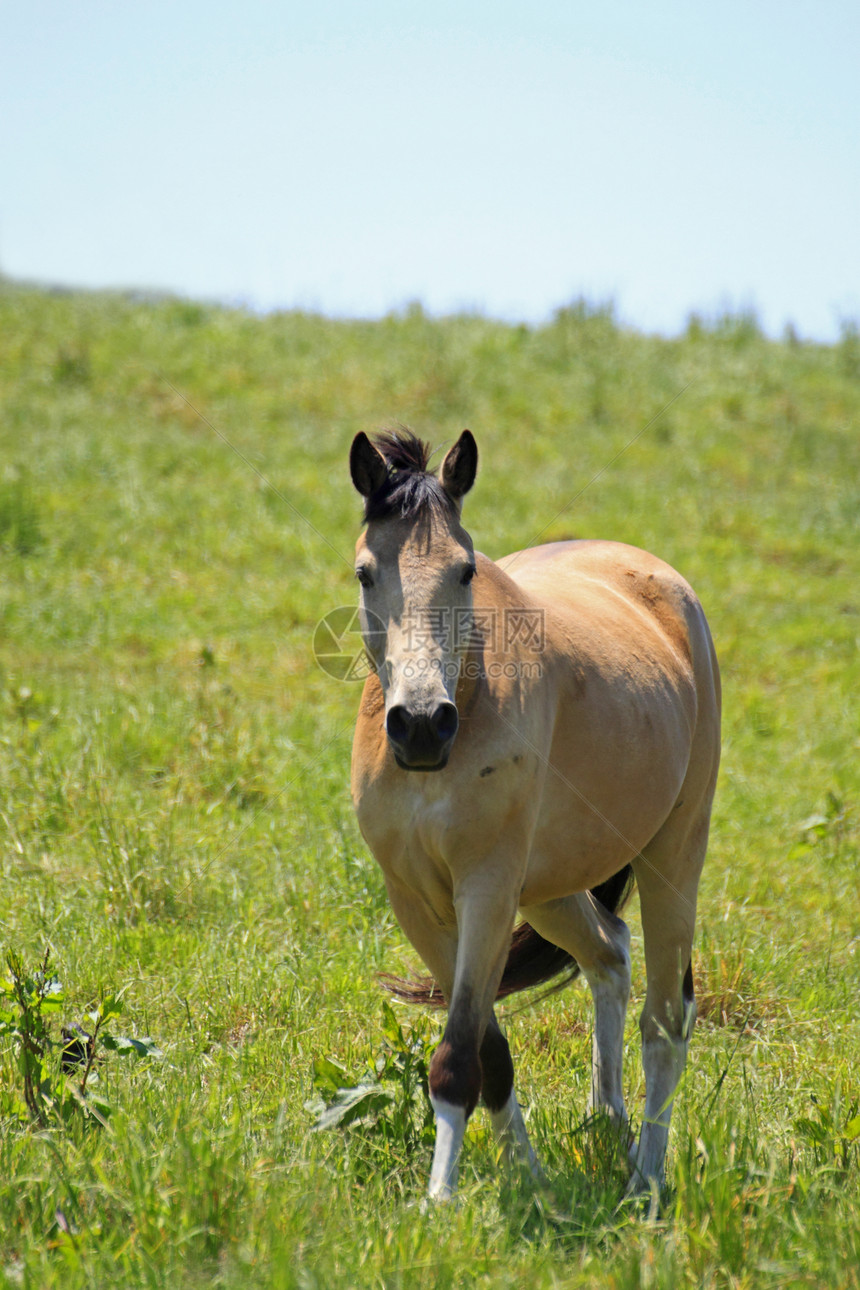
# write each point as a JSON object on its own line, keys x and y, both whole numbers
{"x": 468, "y": 574}
{"x": 364, "y": 577}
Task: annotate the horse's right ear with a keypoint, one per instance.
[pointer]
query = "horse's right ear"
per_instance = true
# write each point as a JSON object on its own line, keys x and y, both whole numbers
{"x": 367, "y": 465}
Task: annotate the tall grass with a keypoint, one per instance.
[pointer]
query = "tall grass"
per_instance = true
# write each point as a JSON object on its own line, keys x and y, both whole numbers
{"x": 175, "y": 518}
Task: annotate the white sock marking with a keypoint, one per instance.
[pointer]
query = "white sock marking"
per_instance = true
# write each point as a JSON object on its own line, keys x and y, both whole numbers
{"x": 450, "y": 1131}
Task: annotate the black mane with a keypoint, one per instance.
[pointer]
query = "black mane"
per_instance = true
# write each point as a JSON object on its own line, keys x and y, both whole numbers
{"x": 403, "y": 450}
{"x": 411, "y": 490}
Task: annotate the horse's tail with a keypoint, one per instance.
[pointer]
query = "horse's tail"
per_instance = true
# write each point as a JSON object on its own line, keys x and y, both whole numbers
{"x": 532, "y": 960}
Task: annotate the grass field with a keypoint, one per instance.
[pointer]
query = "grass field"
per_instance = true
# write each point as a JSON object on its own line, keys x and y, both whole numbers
{"x": 175, "y": 517}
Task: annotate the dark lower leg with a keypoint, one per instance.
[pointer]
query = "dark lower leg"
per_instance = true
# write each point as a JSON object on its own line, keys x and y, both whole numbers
{"x": 497, "y": 1069}
{"x": 455, "y": 1070}
{"x": 689, "y": 988}
{"x": 497, "y": 1090}
{"x": 455, "y": 1085}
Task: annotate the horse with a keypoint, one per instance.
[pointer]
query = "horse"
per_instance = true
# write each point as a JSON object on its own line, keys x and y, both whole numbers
{"x": 535, "y": 735}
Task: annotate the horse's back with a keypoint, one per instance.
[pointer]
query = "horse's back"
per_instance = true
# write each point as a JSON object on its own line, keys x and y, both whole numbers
{"x": 583, "y": 577}
{"x": 643, "y": 729}
{"x": 628, "y": 594}
{"x": 561, "y": 571}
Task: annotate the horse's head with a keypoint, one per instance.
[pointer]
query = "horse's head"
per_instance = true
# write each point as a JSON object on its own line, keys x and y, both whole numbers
{"x": 414, "y": 565}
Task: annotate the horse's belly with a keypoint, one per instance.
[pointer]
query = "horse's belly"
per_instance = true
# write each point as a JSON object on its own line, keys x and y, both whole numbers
{"x": 601, "y": 807}
{"x": 558, "y": 867}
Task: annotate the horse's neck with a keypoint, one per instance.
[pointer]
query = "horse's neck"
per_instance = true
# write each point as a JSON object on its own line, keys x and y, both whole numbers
{"x": 499, "y": 638}
{"x": 504, "y": 591}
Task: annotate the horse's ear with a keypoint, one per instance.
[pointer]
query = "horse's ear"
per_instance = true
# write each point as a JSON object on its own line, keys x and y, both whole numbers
{"x": 460, "y": 466}
{"x": 366, "y": 465}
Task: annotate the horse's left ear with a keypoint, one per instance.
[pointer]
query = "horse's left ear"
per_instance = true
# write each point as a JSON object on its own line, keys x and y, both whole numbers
{"x": 460, "y": 467}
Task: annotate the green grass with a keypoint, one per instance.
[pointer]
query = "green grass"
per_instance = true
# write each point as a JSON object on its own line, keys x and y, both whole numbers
{"x": 175, "y": 817}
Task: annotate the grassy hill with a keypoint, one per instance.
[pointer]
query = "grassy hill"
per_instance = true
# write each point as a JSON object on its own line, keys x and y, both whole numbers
{"x": 175, "y": 518}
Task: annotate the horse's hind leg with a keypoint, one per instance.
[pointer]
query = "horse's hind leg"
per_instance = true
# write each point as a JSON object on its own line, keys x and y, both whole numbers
{"x": 667, "y": 876}
{"x": 600, "y": 943}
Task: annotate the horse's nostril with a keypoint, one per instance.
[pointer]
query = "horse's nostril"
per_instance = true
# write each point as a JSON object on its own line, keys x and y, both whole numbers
{"x": 445, "y": 721}
{"x": 421, "y": 739}
{"x": 398, "y": 723}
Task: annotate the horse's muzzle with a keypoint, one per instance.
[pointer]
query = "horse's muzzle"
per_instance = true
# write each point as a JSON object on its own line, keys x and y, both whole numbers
{"x": 422, "y": 741}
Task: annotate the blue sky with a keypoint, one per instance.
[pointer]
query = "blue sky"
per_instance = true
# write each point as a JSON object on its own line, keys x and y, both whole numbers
{"x": 498, "y": 157}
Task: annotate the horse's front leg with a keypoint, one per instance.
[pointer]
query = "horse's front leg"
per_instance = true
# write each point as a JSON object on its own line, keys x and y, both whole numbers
{"x": 485, "y": 912}
{"x": 497, "y": 1092}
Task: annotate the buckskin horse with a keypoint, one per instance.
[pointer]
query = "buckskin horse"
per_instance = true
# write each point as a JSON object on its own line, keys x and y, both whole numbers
{"x": 536, "y": 734}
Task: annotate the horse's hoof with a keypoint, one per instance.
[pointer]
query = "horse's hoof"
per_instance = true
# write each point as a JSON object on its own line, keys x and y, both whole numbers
{"x": 433, "y": 1200}
{"x": 644, "y": 1194}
